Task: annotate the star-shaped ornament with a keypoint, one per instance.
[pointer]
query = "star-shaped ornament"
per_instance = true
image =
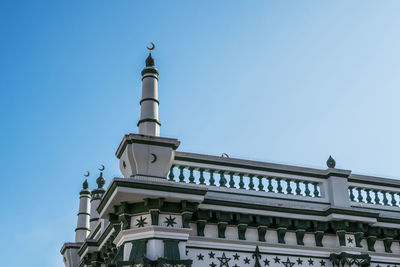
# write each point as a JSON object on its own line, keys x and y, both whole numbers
{"x": 277, "y": 260}
{"x": 299, "y": 261}
{"x": 223, "y": 260}
{"x": 266, "y": 262}
{"x": 212, "y": 264}
{"x": 200, "y": 257}
{"x": 170, "y": 221}
{"x": 311, "y": 262}
{"x": 141, "y": 222}
{"x": 235, "y": 265}
{"x": 211, "y": 255}
{"x": 322, "y": 262}
{"x": 288, "y": 263}
{"x": 236, "y": 257}
{"x": 246, "y": 260}
{"x": 350, "y": 240}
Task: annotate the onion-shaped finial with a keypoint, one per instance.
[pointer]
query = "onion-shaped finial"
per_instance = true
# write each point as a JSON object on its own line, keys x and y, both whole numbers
{"x": 331, "y": 163}
{"x": 100, "y": 181}
{"x": 85, "y": 184}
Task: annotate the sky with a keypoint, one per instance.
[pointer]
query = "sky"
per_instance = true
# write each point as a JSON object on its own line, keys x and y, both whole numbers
{"x": 287, "y": 82}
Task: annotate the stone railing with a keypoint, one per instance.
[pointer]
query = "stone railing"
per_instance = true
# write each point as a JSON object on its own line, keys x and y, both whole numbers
{"x": 248, "y": 176}
{"x": 249, "y": 180}
{"x": 338, "y": 187}
{"x": 374, "y": 191}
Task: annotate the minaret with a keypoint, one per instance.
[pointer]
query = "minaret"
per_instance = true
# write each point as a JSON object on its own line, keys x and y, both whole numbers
{"x": 97, "y": 194}
{"x": 82, "y": 229}
{"x": 148, "y": 123}
{"x": 147, "y": 154}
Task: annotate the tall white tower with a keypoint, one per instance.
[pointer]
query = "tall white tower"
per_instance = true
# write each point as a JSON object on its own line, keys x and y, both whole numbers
{"x": 82, "y": 229}
{"x": 148, "y": 123}
{"x": 146, "y": 153}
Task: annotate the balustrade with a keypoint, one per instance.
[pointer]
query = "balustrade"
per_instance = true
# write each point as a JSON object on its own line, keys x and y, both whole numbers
{"x": 245, "y": 181}
{"x": 381, "y": 197}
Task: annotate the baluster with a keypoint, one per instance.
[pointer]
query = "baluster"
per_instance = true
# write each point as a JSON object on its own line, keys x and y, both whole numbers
{"x": 171, "y": 173}
{"x": 316, "y": 191}
{"x": 251, "y": 184}
{"x": 369, "y": 199}
{"x": 181, "y": 176}
{"x": 307, "y": 191}
{"x": 377, "y": 200}
{"x": 385, "y": 200}
{"x": 222, "y": 180}
{"x": 359, "y": 197}
{"x": 212, "y": 180}
{"x": 260, "y": 185}
{"x": 298, "y": 190}
{"x": 191, "y": 177}
{"x": 279, "y": 187}
{"x": 201, "y": 179}
{"x": 231, "y": 181}
{"x": 241, "y": 183}
{"x": 288, "y": 188}
{"x": 352, "y": 197}
{"x": 394, "y": 203}
{"x": 270, "y": 187}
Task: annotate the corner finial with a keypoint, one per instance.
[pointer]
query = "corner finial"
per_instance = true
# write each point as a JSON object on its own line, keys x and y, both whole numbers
{"x": 331, "y": 163}
{"x": 100, "y": 180}
{"x": 85, "y": 185}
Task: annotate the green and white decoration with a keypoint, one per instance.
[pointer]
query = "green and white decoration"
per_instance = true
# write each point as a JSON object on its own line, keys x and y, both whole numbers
{"x": 174, "y": 208}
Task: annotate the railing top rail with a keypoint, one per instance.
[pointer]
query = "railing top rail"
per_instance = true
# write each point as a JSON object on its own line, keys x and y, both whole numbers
{"x": 258, "y": 165}
{"x": 371, "y": 181}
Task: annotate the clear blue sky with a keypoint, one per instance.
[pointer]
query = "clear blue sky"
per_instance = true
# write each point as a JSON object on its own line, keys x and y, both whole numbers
{"x": 279, "y": 81}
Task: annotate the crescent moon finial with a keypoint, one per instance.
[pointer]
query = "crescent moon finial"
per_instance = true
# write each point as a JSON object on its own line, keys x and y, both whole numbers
{"x": 87, "y": 174}
{"x": 102, "y": 168}
{"x": 152, "y": 46}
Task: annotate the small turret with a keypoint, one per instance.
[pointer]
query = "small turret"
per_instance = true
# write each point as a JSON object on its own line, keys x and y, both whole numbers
{"x": 148, "y": 123}
{"x": 97, "y": 194}
{"x": 82, "y": 229}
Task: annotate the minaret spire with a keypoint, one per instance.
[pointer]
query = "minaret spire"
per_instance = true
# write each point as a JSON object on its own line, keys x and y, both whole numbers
{"x": 148, "y": 123}
{"x": 83, "y": 226}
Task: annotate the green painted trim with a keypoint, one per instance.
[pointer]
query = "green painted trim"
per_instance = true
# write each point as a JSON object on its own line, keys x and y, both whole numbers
{"x": 96, "y": 243}
{"x": 388, "y": 220}
{"x": 151, "y": 70}
{"x": 88, "y": 243}
{"x": 148, "y": 120}
{"x": 290, "y": 210}
{"x": 85, "y": 192}
{"x": 82, "y": 228}
{"x": 94, "y": 219}
{"x": 149, "y": 99}
{"x": 95, "y": 231}
{"x": 163, "y": 188}
{"x": 83, "y": 213}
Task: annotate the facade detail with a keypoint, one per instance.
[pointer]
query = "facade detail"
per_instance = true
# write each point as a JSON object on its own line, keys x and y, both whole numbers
{"x": 179, "y": 209}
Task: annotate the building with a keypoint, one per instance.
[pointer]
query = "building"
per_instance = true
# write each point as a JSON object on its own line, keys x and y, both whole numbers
{"x": 182, "y": 209}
